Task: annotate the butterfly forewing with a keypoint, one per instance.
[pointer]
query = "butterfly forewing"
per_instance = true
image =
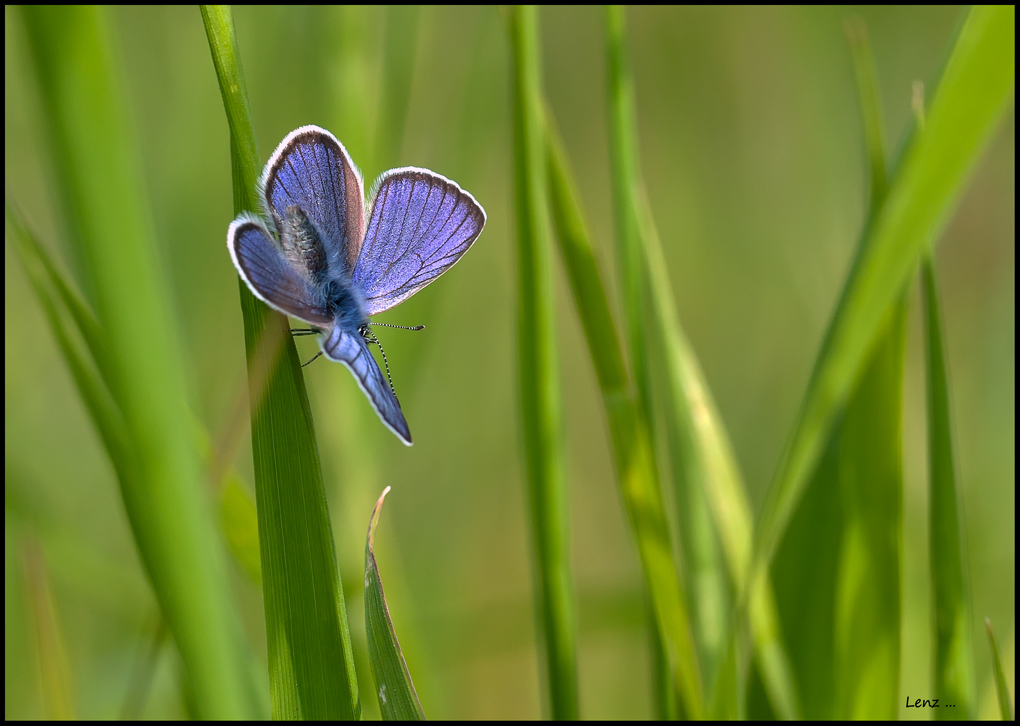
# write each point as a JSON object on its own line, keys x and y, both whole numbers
{"x": 352, "y": 350}
{"x": 270, "y": 275}
{"x": 421, "y": 223}
{"x": 310, "y": 169}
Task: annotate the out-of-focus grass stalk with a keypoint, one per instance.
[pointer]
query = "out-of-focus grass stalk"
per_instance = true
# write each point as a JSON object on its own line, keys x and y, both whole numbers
{"x": 703, "y": 459}
{"x": 867, "y": 482}
{"x": 400, "y": 46}
{"x": 52, "y": 666}
{"x": 972, "y": 94}
{"x": 667, "y": 590}
{"x": 311, "y": 665}
{"x": 47, "y": 283}
{"x": 952, "y": 665}
{"x": 109, "y": 221}
{"x": 541, "y": 413}
{"x": 398, "y": 700}
{"x": 1001, "y": 687}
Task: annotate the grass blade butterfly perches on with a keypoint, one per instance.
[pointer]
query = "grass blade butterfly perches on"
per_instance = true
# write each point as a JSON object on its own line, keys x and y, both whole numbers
{"x": 311, "y": 665}
{"x": 398, "y": 700}
{"x": 541, "y": 423}
{"x": 99, "y": 175}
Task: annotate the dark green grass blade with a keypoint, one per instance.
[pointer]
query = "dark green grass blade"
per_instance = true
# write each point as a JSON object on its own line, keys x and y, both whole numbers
{"x": 541, "y": 413}
{"x": 311, "y": 666}
{"x": 1001, "y": 687}
{"x": 976, "y": 84}
{"x": 110, "y": 224}
{"x": 398, "y": 700}
{"x": 952, "y": 665}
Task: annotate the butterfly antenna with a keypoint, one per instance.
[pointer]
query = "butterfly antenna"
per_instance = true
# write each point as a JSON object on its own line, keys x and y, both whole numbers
{"x": 402, "y": 327}
{"x": 369, "y": 337}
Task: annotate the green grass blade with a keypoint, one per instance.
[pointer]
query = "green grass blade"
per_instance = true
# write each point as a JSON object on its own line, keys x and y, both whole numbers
{"x": 541, "y": 413}
{"x": 869, "y": 488}
{"x": 704, "y": 462}
{"x": 626, "y": 176}
{"x": 952, "y": 665}
{"x": 971, "y": 97}
{"x": 398, "y": 700}
{"x": 109, "y": 219}
{"x": 103, "y": 410}
{"x": 311, "y": 665}
{"x": 871, "y": 110}
{"x": 1001, "y": 687}
{"x": 630, "y": 435}
{"x": 868, "y": 483}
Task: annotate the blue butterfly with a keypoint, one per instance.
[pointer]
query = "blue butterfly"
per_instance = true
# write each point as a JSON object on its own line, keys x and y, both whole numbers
{"x": 333, "y": 269}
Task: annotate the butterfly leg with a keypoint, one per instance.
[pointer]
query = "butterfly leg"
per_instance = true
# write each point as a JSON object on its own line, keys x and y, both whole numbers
{"x": 312, "y": 359}
{"x": 304, "y": 331}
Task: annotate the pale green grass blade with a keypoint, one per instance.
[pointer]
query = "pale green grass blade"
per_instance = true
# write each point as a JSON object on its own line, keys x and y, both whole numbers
{"x": 542, "y": 428}
{"x": 976, "y": 85}
{"x": 1001, "y": 687}
{"x": 109, "y": 221}
{"x": 398, "y": 700}
{"x": 869, "y": 481}
{"x": 311, "y": 665}
{"x": 630, "y": 434}
{"x": 952, "y": 664}
{"x": 703, "y": 460}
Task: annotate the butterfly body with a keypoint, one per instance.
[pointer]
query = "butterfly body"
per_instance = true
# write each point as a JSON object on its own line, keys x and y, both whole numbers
{"x": 330, "y": 266}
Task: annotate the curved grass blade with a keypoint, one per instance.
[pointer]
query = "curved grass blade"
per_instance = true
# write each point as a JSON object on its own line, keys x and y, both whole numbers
{"x": 1001, "y": 687}
{"x": 541, "y": 414}
{"x": 398, "y": 700}
{"x": 311, "y": 665}
{"x": 109, "y": 221}
{"x": 952, "y": 664}
{"x": 972, "y": 95}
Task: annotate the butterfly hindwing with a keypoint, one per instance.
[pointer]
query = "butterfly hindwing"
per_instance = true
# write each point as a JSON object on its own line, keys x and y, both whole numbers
{"x": 351, "y": 349}
{"x": 421, "y": 223}
{"x": 311, "y": 169}
{"x": 269, "y": 275}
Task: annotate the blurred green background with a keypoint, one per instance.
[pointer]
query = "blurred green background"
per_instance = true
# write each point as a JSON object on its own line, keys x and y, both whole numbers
{"x": 752, "y": 150}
